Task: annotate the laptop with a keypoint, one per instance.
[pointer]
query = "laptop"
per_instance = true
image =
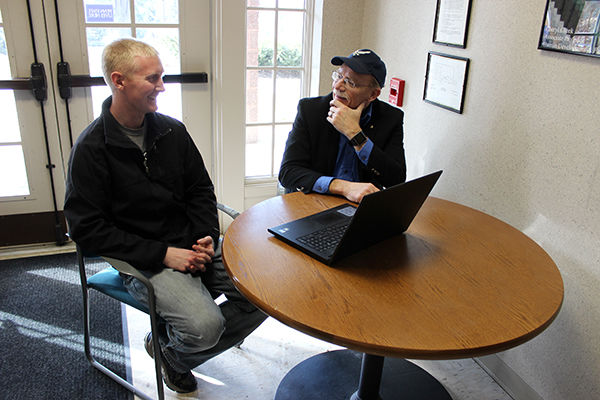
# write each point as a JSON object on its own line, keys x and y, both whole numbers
{"x": 346, "y": 229}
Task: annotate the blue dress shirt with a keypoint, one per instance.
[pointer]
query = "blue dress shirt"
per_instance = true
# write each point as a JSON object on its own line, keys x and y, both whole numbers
{"x": 346, "y": 164}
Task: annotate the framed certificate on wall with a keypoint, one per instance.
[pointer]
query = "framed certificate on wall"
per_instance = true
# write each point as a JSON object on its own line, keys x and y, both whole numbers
{"x": 445, "y": 81}
{"x": 571, "y": 27}
{"x": 452, "y": 22}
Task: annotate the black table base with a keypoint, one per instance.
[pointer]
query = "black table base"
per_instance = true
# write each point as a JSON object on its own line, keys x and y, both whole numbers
{"x": 335, "y": 375}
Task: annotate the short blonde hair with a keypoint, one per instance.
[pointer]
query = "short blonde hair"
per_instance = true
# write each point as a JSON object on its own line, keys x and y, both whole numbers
{"x": 120, "y": 56}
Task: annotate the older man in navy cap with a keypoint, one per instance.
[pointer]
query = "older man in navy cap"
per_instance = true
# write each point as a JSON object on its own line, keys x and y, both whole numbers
{"x": 347, "y": 143}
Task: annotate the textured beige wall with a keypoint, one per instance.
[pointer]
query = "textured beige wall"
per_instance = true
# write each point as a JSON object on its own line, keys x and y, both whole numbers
{"x": 526, "y": 150}
{"x": 342, "y": 31}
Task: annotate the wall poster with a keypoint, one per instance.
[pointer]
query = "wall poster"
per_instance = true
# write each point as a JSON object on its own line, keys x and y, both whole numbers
{"x": 571, "y": 26}
{"x": 445, "y": 81}
{"x": 452, "y": 22}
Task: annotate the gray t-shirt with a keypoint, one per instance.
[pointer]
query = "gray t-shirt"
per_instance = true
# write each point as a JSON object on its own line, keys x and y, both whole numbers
{"x": 137, "y": 136}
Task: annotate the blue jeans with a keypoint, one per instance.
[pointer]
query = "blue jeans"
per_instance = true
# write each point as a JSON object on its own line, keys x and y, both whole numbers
{"x": 192, "y": 327}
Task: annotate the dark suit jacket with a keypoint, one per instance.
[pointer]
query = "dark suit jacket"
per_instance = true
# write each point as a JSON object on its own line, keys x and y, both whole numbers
{"x": 312, "y": 146}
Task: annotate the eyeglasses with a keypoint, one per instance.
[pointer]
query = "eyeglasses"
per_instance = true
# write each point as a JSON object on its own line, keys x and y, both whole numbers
{"x": 336, "y": 76}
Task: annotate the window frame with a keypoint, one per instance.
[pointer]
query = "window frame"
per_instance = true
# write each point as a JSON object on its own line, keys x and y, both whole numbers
{"x": 255, "y": 183}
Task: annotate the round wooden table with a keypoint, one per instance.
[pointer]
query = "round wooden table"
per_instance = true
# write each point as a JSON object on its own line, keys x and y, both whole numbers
{"x": 458, "y": 284}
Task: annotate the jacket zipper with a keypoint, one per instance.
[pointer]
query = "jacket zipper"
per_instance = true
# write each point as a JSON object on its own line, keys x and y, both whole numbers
{"x": 145, "y": 154}
{"x": 146, "y": 163}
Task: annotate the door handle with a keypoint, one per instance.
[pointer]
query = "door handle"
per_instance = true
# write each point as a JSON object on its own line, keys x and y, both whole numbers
{"x": 66, "y": 81}
{"x": 36, "y": 82}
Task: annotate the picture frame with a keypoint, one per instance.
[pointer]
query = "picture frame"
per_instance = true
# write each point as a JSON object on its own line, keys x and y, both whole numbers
{"x": 446, "y": 81}
{"x": 571, "y": 28}
{"x": 452, "y": 22}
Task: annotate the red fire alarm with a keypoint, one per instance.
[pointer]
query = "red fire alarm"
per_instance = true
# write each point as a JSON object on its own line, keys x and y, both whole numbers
{"x": 396, "y": 91}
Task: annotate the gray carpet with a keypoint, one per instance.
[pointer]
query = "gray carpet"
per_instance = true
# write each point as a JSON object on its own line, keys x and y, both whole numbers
{"x": 41, "y": 332}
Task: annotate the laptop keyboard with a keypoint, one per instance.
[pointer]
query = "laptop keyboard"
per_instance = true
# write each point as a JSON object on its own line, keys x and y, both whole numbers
{"x": 325, "y": 239}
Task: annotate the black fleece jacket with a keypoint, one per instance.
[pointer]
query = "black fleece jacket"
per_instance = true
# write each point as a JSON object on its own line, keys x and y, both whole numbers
{"x": 123, "y": 203}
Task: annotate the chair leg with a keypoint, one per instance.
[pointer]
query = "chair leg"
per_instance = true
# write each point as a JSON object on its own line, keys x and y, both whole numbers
{"x": 155, "y": 344}
{"x": 102, "y": 368}
{"x": 87, "y": 342}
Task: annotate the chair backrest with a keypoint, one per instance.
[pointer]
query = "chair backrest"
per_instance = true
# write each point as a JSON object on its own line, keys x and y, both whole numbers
{"x": 227, "y": 211}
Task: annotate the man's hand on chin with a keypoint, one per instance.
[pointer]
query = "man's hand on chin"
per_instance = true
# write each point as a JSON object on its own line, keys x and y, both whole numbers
{"x": 345, "y": 119}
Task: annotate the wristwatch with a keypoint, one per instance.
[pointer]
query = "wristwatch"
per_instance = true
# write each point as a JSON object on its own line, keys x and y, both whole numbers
{"x": 358, "y": 139}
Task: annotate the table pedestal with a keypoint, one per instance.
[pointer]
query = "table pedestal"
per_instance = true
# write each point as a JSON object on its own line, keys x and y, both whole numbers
{"x": 335, "y": 375}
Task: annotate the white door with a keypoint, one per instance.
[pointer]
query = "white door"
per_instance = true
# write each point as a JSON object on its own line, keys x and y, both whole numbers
{"x": 38, "y": 132}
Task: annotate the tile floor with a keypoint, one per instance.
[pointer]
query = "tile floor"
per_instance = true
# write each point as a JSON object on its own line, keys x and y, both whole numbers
{"x": 254, "y": 371}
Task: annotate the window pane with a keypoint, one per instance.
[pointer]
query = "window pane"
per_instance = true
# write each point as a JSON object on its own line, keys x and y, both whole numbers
{"x": 298, "y": 4}
{"x": 10, "y": 131}
{"x": 261, "y": 3}
{"x": 258, "y": 150}
{"x": 290, "y": 37}
{"x": 156, "y": 11}
{"x": 260, "y": 38}
{"x": 99, "y": 94}
{"x": 288, "y": 91}
{"x": 259, "y": 96}
{"x": 272, "y": 94}
{"x": 166, "y": 41}
{"x": 97, "y": 39}
{"x": 169, "y": 102}
{"x": 107, "y": 11}
{"x": 4, "y": 63}
{"x": 13, "y": 177}
{"x": 281, "y": 135}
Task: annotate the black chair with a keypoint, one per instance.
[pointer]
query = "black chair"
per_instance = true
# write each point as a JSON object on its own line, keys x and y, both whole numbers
{"x": 110, "y": 283}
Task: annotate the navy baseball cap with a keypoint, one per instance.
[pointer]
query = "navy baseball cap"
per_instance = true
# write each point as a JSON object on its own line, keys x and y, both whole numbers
{"x": 364, "y": 61}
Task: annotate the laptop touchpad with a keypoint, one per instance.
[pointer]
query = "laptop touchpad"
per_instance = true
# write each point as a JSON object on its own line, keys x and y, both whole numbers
{"x": 339, "y": 216}
{"x": 347, "y": 211}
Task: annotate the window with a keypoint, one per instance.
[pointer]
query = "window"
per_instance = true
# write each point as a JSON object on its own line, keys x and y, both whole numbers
{"x": 13, "y": 174}
{"x": 154, "y": 22}
{"x": 277, "y": 60}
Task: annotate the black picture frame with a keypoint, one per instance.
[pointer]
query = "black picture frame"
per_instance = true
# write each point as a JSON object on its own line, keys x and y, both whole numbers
{"x": 451, "y": 25}
{"x": 571, "y": 27}
{"x": 446, "y": 80}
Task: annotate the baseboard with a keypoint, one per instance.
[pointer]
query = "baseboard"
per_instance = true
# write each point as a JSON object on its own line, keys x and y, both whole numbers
{"x": 508, "y": 379}
{"x": 33, "y": 228}
{"x": 40, "y": 249}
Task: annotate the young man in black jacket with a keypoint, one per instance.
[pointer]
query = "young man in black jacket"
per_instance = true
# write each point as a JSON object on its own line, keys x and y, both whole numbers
{"x": 138, "y": 190}
{"x": 347, "y": 143}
